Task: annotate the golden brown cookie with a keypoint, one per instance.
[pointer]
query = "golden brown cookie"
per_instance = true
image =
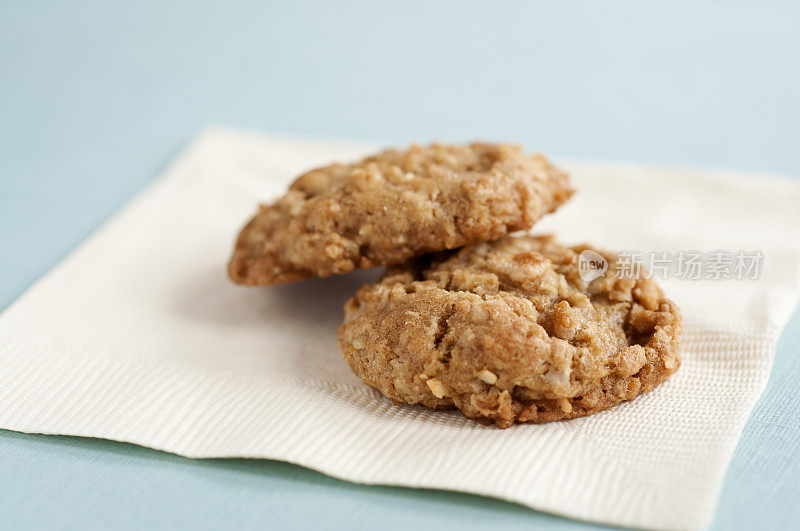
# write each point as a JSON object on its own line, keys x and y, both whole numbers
{"x": 507, "y": 331}
{"x": 393, "y": 206}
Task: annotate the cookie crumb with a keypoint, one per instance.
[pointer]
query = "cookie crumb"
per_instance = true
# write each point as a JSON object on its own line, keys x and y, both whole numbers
{"x": 487, "y": 377}
{"x": 437, "y": 387}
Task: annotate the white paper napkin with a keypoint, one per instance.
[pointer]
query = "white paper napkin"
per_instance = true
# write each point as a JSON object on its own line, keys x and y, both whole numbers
{"x": 138, "y": 336}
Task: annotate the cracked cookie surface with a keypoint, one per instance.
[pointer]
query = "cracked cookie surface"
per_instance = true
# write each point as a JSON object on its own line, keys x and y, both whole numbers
{"x": 507, "y": 331}
{"x": 393, "y": 206}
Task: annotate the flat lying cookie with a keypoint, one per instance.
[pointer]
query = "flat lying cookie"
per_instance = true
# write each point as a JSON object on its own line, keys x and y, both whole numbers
{"x": 393, "y": 206}
{"x": 506, "y": 331}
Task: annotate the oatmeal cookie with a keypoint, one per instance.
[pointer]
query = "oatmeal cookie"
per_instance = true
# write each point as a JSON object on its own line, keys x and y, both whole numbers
{"x": 393, "y": 206}
{"x": 507, "y": 331}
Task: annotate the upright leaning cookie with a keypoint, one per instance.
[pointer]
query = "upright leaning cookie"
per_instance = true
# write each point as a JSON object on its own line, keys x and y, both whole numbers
{"x": 393, "y": 206}
{"x": 507, "y": 331}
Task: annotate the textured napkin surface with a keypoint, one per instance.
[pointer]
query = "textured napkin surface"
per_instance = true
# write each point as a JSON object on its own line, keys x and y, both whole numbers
{"x": 138, "y": 336}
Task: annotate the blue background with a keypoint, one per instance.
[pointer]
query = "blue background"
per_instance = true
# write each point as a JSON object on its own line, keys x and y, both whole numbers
{"x": 95, "y": 97}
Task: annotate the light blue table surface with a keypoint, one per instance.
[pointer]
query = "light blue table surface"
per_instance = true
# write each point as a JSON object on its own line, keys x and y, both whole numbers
{"x": 95, "y": 97}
